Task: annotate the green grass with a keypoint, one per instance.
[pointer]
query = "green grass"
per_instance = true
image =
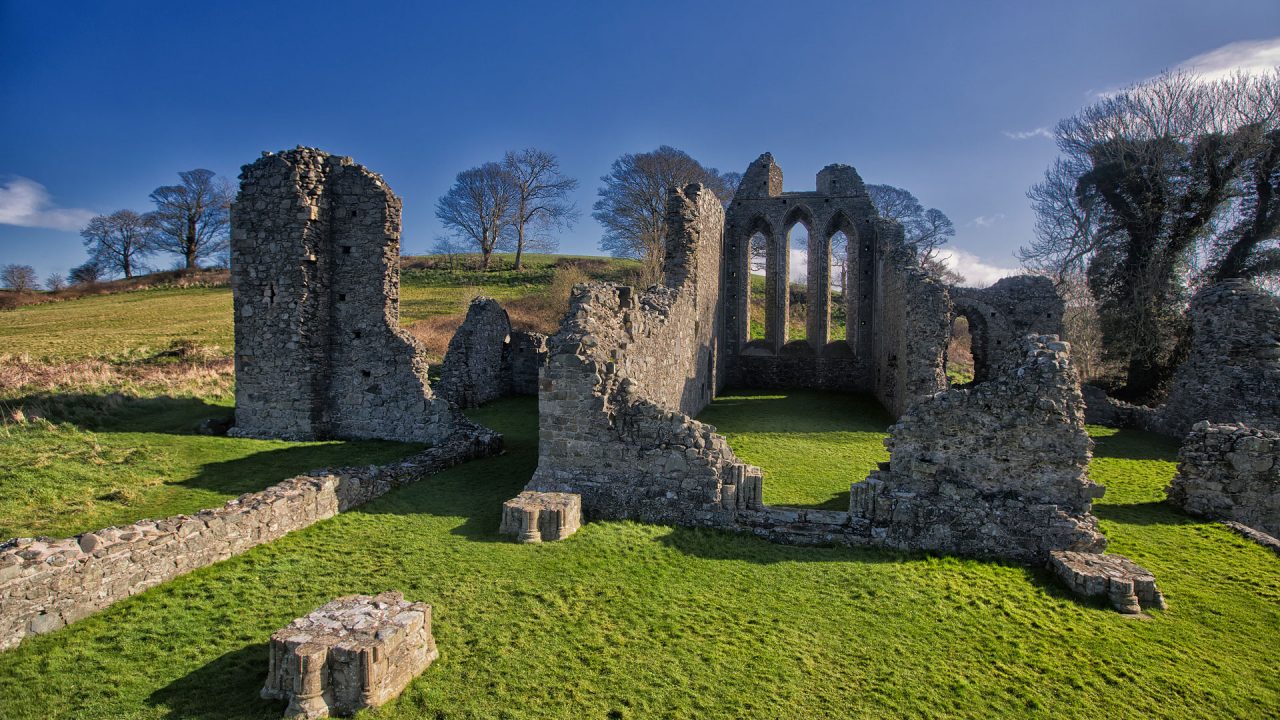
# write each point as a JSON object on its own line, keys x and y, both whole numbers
{"x": 122, "y": 323}
{"x": 811, "y": 445}
{"x": 638, "y": 621}
{"x": 143, "y": 459}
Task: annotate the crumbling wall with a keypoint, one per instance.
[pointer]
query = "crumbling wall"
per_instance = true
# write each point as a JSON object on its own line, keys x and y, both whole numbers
{"x": 474, "y": 371}
{"x": 1230, "y": 472}
{"x": 487, "y": 360}
{"x": 911, "y": 325}
{"x": 1001, "y": 315}
{"x": 315, "y": 274}
{"x": 1232, "y": 373}
{"x": 998, "y": 470}
{"x": 47, "y": 583}
{"x": 625, "y": 374}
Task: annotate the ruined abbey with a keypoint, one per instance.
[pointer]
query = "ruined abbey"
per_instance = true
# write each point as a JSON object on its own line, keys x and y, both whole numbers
{"x": 995, "y": 469}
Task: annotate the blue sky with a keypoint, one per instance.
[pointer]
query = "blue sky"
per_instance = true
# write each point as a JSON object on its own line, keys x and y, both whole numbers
{"x": 101, "y": 102}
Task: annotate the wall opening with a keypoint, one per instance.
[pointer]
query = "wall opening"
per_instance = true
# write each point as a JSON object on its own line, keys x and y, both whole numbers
{"x": 959, "y": 355}
{"x": 798, "y": 254}
{"x": 757, "y": 265}
{"x": 838, "y": 288}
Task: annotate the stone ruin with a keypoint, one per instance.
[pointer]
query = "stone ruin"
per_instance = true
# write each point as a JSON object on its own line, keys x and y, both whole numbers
{"x": 352, "y": 653}
{"x": 315, "y": 273}
{"x": 997, "y": 470}
{"x": 1230, "y": 472}
{"x": 1231, "y": 374}
{"x": 487, "y": 360}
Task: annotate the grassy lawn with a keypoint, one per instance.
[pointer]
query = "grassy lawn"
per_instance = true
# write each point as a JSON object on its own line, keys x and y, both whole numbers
{"x": 119, "y": 324}
{"x": 140, "y": 457}
{"x": 811, "y": 445}
{"x": 637, "y": 621}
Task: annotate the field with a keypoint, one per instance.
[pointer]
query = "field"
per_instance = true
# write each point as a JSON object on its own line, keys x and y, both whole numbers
{"x": 623, "y": 620}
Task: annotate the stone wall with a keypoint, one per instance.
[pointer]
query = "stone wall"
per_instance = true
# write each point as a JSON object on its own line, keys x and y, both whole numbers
{"x": 1230, "y": 472}
{"x": 911, "y": 317}
{"x": 998, "y": 470}
{"x": 487, "y": 360}
{"x": 46, "y": 583}
{"x": 1001, "y": 315}
{"x": 315, "y": 273}
{"x": 625, "y": 374}
{"x": 1232, "y": 373}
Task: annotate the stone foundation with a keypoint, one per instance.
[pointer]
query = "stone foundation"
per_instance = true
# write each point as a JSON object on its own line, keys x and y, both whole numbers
{"x": 1127, "y": 585}
{"x": 1230, "y": 472}
{"x": 536, "y": 516}
{"x": 46, "y": 584}
{"x": 353, "y": 653}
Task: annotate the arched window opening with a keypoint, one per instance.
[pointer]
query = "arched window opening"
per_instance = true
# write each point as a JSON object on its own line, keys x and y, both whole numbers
{"x": 959, "y": 357}
{"x": 798, "y": 249}
{"x": 757, "y": 265}
{"x": 839, "y": 286}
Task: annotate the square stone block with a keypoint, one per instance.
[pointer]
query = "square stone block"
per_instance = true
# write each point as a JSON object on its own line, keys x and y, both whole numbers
{"x": 536, "y": 516}
{"x": 352, "y": 653}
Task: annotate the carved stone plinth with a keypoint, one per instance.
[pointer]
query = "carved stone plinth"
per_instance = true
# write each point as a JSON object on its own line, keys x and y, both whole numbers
{"x": 537, "y": 516}
{"x": 1130, "y": 587}
{"x": 352, "y": 653}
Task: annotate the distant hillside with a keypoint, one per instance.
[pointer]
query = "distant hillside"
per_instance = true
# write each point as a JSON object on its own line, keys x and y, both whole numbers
{"x": 130, "y": 318}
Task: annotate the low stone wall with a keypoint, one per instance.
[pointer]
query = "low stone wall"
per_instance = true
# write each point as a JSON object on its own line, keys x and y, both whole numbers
{"x": 47, "y": 583}
{"x": 1230, "y": 472}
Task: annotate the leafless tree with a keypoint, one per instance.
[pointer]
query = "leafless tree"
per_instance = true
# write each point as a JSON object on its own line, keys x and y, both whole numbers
{"x": 55, "y": 282}
{"x": 925, "y": 230}
{"x": 542, "y": 198}
{"x": 118, "y": 241}
{"x": 1159, "y": 188}
{"x": 87, "y": 274}
{"x": 480, "y": 207}
{"x": 19, "y": 278}
{"x": 192, "y": 218}
{"x": 632, "y": 201}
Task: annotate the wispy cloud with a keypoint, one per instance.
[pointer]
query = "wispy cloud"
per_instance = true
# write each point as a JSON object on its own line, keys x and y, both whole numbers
{"x": 976, "y": 271}
{"x": 987, "y": 220}
{"x": 1040, "y": 132}
{"x": 26, "y": 203}
{"x": 1249, "y": 56}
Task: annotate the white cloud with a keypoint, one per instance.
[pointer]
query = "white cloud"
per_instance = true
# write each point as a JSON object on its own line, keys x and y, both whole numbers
{"x": 1249, "y": 56}
{"x": 976, "y": 271}
{"x": 26, "y": 203}
{"x": 1041, "y": 132}
{"x": 988, "y": 220}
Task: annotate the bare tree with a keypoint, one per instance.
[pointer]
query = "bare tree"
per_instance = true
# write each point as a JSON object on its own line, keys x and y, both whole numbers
{"x": 925, "y": 230}
{"x": 87, "y": 274}
{"x": 192, "y": 218}
{"x": 480, "y": 207}
{"x": 55, "y": 282}
{"x": 1159, "y": 188}
{"x": 19, "y": 278}
{"x": 633, "y": 201}
{"x": 542, "y": 197}
{"x": 118, "y": 241}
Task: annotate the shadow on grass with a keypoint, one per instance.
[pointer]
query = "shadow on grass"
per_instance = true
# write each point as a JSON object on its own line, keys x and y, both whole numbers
{"x": 1135, "y": 445}
{"x": 794, "y": 412}
{"x": 254, "y": 472}
{"x": 1159, "y": 512}
{"x": 115, "y": 412}
{"x": 223, "y": 689}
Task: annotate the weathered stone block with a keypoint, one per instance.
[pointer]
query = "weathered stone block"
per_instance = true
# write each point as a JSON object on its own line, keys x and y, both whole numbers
{"x": 533, "y": 517}
{"x": 355, "y": 652}
{"x": 1129, "y": 587}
